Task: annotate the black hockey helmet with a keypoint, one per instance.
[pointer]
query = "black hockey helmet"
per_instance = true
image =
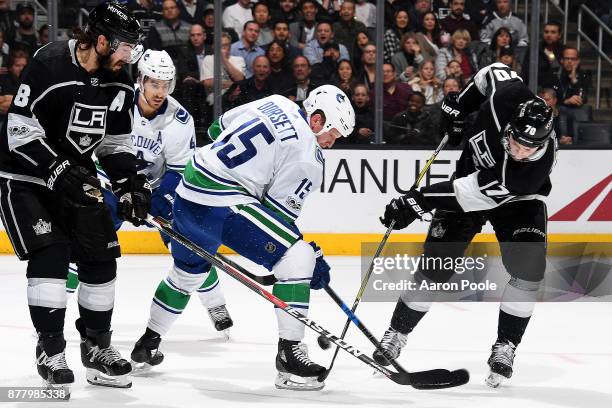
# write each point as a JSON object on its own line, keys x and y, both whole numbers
{"x": 532, "y": 123}
{"x": 115, "y": 22}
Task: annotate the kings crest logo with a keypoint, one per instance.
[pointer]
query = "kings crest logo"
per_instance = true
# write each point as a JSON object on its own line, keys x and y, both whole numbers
{"x": 87, "y": 126}
{"x": 42, "y": 227}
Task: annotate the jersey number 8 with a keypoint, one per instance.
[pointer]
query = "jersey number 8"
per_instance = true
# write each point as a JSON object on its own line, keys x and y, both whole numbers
{"x": 22, "y": 95}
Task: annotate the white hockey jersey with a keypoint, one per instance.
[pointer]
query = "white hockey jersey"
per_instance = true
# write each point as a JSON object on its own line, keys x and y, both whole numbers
{"x": 266, "y": 153}
{"x": 164, "y": 142}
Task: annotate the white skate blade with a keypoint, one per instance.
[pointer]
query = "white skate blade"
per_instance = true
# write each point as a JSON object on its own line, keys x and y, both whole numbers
{"x": 287, "y": 381}
{"x": 226, "y": 334}
{"x": 60, "y": 392}
{"x": 140, "y": 368}
{"x": 95, "y": 377}
{"x": 494, "y": 380}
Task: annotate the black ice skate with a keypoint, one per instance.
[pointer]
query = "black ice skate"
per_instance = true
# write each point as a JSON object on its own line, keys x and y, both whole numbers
{"x": 292, "y": 360}
{"x": 146, "y": 354}
{"x": 104, "y": 364}
{"x": 391, "y": 344}
{"x": 51, "y": 363}
{"x": 501, "y": 360}
{"x": 221, "y": 319}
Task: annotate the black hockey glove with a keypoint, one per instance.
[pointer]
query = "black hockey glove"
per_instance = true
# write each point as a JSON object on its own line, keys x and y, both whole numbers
{"x": 134, "y": 195}
{"x": 405, "y": 209}
{"x": 452, "y": 120}
{"x": 77, "y": 183}
{"x": 320, "y": 275}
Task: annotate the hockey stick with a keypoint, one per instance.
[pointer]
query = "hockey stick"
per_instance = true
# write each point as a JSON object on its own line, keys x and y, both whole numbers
{"x": 366, "y": 278}
{"x": 400, "y": 377}
{"x": 424, "y": 380}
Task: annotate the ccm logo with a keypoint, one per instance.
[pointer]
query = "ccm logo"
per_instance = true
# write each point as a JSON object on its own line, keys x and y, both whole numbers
{"x": 56, "y": 172}
{"x": 449, "y": 110}
{"x": 416, "y": 207}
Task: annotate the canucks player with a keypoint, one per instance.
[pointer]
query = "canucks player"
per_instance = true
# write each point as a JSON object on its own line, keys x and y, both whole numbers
{"x": 502, "y": 177}
{"x": 245, "y": 191}
{"x": 163, "y": 136}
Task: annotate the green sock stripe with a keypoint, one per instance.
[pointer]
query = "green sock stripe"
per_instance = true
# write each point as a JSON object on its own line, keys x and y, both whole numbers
{"x": 197, "y": 178}
{"x": 73, "y": 280}
{"x": 292, "y": 292}
{"x": 171, "y": 297}
{"x": 278, "y": 212}
{"x": 270, "y": 222}
{"x": 211, "y": 279}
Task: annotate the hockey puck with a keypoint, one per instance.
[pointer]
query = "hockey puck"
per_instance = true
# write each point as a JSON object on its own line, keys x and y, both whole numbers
{"x": 324, "y": 342}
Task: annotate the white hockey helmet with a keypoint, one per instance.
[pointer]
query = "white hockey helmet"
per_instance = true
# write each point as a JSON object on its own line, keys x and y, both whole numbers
{"x": 335, "y": 105}
{"x": 157, "y": 65}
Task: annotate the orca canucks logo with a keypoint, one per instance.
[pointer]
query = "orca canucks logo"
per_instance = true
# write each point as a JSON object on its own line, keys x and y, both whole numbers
{"x": 340, "y": 98}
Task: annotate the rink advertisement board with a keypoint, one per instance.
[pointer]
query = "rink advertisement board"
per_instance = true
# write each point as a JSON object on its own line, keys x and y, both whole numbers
{"x": 359, "y": 183}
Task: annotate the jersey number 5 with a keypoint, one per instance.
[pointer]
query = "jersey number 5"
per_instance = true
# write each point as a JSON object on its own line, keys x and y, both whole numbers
{"x": 246, "y": 138}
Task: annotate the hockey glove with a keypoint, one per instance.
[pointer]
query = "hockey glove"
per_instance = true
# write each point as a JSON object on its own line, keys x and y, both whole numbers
{"x": 320, "y": 275}
{"x": 134, "y": 195}
{"x": 163, "y": 196}
{"x": 77, "y": 183}
{"x": 405, "y": 209}
{"x": 452, "y": 120}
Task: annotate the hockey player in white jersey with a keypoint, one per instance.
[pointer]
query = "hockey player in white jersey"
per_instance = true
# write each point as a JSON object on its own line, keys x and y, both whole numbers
{"x": 245, "y": 191}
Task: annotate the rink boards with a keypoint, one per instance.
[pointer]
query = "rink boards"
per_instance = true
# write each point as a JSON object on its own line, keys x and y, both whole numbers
{"x": 359, "y": 183}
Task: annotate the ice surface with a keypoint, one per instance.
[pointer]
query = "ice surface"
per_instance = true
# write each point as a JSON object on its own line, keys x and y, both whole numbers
{"x": 564, "y": 360}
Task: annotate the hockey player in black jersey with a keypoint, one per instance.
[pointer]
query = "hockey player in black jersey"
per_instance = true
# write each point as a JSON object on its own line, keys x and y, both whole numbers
{"x": 75, "y": 99}
{"x": 501, "y": 177}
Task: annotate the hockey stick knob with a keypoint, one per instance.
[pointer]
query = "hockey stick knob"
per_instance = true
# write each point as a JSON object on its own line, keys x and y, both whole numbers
{"x": 324, "y": 342}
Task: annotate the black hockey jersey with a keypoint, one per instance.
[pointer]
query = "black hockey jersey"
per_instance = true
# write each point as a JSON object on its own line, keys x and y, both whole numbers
{"x": 61, "y": 109}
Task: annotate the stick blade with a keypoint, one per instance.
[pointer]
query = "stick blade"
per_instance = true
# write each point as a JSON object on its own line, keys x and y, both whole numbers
{"x": 438, "y": 379}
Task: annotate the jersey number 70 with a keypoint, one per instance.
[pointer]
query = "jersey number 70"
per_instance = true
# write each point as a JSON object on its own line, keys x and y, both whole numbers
{"x": 246, "y": 133}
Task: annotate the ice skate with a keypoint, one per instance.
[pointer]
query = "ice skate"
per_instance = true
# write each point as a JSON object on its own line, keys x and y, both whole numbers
{"x": 145, "y": 354}
{"x": 501, "y": 360}
{"x": 51, "y": 363}
{"x": 391, "y": 344}
{"x": 295, "y": 370}
{"x": 104, "y": 364}
{"x": 221, "y": 319}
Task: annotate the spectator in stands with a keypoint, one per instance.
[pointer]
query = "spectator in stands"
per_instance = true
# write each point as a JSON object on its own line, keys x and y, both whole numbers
{"x": 364, "y": 116}
{"x": 328, "y": 10}
{"x": 314, "y": 49}
{"x": 303, "y": 31}
{"x": 365, "y": 12}
{"x": 367, "y": 74}
{"x": 286, "y": 11}
{"x": 416, "y": 15}
{"x": 232, "y": 69}
{"x": 25, "y": 34}
{"x": 171, "y": 33}
{"x": 361, "y": 40}
{"x": 450, "y": 85}
{"x": 4, "y": 55}
{"x": 281, "y": 35}
{"x": 193, "y": 91}
{"x": 391, "y": 42}
{"x": 251, "y": 89}
{"x": 147, "y": 12}
{"x": 407, "y": 60}
{"x": 414, "y": 126}
{"x": 430, "y": 35}
{"x": 507, "y": 56}
{"x": 550, "y": 97}
{"x": 261, "y": 15}
{"x": 237, "y": 15}
{"x": 503, "y": 17}
{"x": 427, "y": 83}
{"x": 326, "y": 69}
{"x": 345, "y": 77}
{"x": 392, "y": 7}
{"x": 456, "y": 20}
{"x": 7, "y": 23}
{"x": 453, "y": 70}
{"x": 550, "y": 52}
{"x": 9, "y": 81}
{"x": 347, "y": 27}
{"x": 196, "y": 52}
{"x": 192, "y": 11}
{"x": 458, "y": 50}
{"x": 480, "y": 11}
{"x": 280, "y": 72}
{"x": 302, "y": 85}
{"x": 395, "y": 94}
{"x": 573, "y": 85}
{"x": 486, "y": 54}
{"x": 247, "y": 47}
{"x": 43, "y": 35}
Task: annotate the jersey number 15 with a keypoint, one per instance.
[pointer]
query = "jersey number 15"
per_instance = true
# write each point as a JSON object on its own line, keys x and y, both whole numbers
{"x": 246, "y": 133}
